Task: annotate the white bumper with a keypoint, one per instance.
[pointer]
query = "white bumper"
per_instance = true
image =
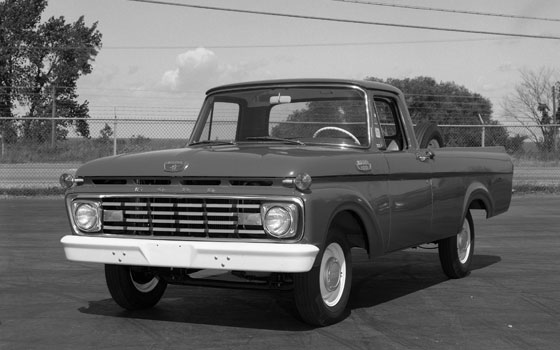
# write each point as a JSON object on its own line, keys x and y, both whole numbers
{"x": 267, "y": 257}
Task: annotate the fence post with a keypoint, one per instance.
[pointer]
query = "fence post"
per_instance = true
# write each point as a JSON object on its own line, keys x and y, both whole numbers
{"x": 115, "y": 134}
{"x": 483, "y": 143}
{"x": 53, "y": 115}
{"x": 554, "y": 121}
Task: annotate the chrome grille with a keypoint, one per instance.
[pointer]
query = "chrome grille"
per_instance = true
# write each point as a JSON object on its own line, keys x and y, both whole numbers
{"x": 181, "y": 217}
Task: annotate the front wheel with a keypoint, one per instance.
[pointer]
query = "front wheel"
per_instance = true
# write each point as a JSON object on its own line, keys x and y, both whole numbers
{"x": 456, "y": 252}
{"x": 321, "y": 295}
{"x": 133, "y": 288}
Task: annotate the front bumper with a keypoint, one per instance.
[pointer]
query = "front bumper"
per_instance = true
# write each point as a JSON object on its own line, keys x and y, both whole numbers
{"x": 242, "y": 256}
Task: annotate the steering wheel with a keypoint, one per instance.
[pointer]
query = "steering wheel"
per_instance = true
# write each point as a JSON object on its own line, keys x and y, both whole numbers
{"x": 354, "y": 138}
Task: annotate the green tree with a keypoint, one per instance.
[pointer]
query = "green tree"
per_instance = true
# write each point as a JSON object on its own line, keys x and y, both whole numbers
{"x": 447, "y": 103}
{"x": 328, "y": 111}
{"x": 105, "y": 134}
{"x": 18, "y": 19}
{"x": 531, "y": 103}
{"x": 50, "y": 59}
{"x": 514, "y": 144}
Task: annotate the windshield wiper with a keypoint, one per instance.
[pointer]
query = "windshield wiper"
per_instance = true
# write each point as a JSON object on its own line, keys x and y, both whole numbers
{"x": 211, "y": 142}
{"x": 275, "y": 139}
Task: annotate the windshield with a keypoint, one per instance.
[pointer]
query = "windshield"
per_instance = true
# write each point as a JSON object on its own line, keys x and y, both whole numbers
{"x": 303, "y": 115}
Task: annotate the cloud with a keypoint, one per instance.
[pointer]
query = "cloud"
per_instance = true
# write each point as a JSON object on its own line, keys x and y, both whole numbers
{"x": 507, "y": 67}
{"x": 133, "y": 69}
{"x": 102, "y": 76}
{"x": 200, "y": 69}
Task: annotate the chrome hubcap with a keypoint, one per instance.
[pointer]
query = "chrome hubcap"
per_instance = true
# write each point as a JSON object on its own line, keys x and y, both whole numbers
{"x": 464, "y": 242}
{"x": 332, "y": 277}
{"x": 142, "y": 284}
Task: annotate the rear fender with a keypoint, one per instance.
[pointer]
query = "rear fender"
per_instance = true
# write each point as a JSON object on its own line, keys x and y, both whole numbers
{"x": 478, "y": 194}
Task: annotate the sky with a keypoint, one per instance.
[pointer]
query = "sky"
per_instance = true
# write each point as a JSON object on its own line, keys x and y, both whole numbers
{"x": 165, "y": 57}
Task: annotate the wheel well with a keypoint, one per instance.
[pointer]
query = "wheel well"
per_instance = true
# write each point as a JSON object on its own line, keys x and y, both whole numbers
{"x": 479, "y": 204}
{"x": 350, "y": 224}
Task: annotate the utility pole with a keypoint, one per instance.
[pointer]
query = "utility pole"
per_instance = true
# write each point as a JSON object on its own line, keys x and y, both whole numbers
{"x": 53, "y": 113}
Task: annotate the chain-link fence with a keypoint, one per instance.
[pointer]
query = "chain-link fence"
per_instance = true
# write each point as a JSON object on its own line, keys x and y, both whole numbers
{"x": 27, "y": 162}
{"x": 535, "y": 150}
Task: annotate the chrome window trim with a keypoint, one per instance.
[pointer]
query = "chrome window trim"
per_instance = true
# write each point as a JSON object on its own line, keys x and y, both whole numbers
{"x": 200, "y": 124}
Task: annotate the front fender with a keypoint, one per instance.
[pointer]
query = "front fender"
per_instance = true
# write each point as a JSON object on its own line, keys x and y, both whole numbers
{"x": 324, "y": 205}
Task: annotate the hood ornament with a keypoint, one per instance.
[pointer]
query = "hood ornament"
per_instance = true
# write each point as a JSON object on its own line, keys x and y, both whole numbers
{"x": 175, "y": 166}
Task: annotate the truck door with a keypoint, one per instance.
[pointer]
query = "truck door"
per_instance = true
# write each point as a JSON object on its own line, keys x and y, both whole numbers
{"x": 409, "y": 180}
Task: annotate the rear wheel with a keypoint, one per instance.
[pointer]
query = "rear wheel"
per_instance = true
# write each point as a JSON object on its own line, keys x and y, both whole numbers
{"x": 134, "y": 288}
{"x": 456, "y": 252}
{"x": 322, "y": 294}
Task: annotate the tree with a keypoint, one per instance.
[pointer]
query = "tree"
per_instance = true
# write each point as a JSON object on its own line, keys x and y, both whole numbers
{"x": 328, "y": 111}
{"x": 17, "y": 22}
{"x": 531, "y": 103}
{"x": 50, "y": 59}
{"x": 105, "y": 134}
{"x": 447, "y": 103}
{"x": 514, "y": 144}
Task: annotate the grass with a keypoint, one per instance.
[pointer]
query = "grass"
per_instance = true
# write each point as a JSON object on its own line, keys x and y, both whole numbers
{"x": 531, "y": 188}
{"x": 534, "y": 163}
{"x": 519, "y": 189}
{"x": 31, "y": 192}
{"x": 80, "y": 150}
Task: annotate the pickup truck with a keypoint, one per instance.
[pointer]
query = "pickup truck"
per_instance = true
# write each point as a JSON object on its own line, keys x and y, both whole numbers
{"x": 278, "y": 182}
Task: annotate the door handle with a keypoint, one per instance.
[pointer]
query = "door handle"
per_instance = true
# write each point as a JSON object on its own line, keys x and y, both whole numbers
{"x": 425, "y": 157}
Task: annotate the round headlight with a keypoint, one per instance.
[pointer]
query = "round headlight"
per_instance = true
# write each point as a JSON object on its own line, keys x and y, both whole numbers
{"x": 277, "y": 221}
{"x": 87, "y": 217}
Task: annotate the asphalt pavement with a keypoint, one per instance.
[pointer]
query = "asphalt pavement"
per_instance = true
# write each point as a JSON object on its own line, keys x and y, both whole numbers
{"x": 511, "y": 300}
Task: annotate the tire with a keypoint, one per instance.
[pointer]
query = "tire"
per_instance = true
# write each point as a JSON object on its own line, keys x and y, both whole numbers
{"x": 321, "y": 295}
{"x": 132, "y": 288}
{"x": 428, "y": 135}
{"x": 456, "y": 252}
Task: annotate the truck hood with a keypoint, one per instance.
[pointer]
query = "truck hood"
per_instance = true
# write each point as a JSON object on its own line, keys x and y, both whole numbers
{"x": 230, "y": 161}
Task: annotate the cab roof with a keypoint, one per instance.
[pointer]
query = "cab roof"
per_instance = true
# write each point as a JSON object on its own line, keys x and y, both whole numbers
{"x": 370, "y": 85}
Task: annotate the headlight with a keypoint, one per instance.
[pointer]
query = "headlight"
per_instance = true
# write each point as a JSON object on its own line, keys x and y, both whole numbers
{"x": 87, "y": 215}
{"x": 280, "y": 219}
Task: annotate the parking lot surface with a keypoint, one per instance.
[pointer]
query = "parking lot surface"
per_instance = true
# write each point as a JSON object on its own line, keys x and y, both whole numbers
{"x": 511, "y": 300}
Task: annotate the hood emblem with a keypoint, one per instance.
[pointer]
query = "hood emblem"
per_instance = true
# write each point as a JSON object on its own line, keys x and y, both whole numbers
{"x": 175, "y": 166}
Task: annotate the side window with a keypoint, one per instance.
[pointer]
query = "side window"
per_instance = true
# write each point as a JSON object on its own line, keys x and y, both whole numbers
{"x": 222, "y": 122}
{"x": 390, "y": 124}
